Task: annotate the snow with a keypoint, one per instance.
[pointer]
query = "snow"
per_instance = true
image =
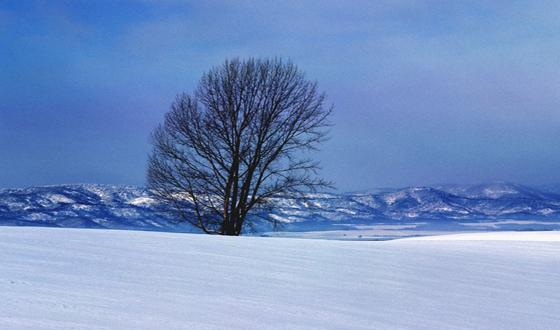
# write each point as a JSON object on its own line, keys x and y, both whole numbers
{"x": 103, "y": 279}
{"x": 497, "y": 224}
{"x": 58, "y": 198}
{"x": 126, "y": 207}
{"x": 532, "y": 236}
{"x": 143, "y": 201}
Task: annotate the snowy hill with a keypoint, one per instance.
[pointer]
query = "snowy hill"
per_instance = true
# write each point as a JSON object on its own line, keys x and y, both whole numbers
{"x": 83, "y": 206}
{"x": 101, "y": 279}
{"x": 101, "y": 206}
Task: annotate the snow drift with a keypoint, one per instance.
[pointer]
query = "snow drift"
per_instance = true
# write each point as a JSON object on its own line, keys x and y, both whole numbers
{"x": 99, "y": 279}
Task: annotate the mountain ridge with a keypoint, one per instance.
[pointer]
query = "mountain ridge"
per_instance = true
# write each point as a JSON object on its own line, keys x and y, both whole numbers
{"x": 130, "y": 207}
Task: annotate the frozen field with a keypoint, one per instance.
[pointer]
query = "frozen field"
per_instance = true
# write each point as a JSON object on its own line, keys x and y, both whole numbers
{"x": 101, "y": 279}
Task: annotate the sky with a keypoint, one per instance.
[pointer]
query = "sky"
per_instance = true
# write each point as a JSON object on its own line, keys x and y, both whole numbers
{"x": 424, "y": 92}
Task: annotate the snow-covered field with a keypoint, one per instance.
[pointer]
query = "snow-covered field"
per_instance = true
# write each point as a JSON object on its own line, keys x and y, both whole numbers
{"x": 102, "y": 279}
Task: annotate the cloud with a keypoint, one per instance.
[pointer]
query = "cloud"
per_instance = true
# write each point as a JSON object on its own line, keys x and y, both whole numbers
{"x": 421, "y": 88}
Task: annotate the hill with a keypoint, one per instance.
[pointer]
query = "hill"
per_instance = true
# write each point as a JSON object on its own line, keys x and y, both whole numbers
{"x": 101, "y": 279}
{"x": 125, "y": 207}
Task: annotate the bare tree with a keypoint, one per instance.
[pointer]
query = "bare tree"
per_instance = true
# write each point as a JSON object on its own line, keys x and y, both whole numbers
{"x": 238, "y": 143}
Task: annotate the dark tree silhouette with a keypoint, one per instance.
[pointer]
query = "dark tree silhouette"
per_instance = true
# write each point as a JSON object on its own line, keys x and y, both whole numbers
{"x": 238, "y": 143}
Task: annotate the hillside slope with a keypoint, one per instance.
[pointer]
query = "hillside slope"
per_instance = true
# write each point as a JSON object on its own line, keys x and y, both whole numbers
{"x": 99, "y": 279}
{"x": 122, "y": 207}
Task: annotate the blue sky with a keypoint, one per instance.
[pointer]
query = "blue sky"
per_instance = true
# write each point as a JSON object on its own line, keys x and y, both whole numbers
{"x": 424, "y": 91}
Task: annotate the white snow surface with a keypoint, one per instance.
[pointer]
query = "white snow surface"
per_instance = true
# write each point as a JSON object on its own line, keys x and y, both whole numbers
{"x": 103, "y": 279}
{"x": 539, "y": 236}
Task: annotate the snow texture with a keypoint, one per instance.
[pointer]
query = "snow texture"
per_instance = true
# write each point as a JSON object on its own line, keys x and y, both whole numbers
{"x": 110, "y": 279}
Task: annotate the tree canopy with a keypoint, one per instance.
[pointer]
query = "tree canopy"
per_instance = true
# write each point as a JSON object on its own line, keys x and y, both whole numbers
{"x": 237, "y": 142}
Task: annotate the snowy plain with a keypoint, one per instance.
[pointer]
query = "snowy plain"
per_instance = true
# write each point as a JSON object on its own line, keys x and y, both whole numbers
{"x": 52, "y": 278}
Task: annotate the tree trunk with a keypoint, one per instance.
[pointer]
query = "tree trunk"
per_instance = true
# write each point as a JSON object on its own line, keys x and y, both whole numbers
{"x": 229, "y": 228}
